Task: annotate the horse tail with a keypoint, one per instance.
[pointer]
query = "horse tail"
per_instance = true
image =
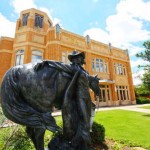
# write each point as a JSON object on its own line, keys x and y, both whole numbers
{"x": 16, "y": 109}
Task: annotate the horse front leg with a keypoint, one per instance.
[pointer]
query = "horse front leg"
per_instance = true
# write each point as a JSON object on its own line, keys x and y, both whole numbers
{"x": 30, "y": 133}
{"x": 37, "y": 137}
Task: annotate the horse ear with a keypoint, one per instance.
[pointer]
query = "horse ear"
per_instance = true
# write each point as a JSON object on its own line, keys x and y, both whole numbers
{"x": 96, "y": 76}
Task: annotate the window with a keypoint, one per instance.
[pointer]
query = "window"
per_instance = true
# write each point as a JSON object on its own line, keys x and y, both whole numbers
{"x": 105, "y": 93}
{"x": 36, "y": 56}
{"x": 122, "y": 92}
{"x": 120, "y": 69}
{"x": 65, "y": 57}
{"x": 25, "y": 19}
{"x": 38, "y": 21}
{"x": 99, "y": 65}
{"x": 19, "y": 57}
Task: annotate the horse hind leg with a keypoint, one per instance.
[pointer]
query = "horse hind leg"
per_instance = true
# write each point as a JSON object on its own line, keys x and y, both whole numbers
{"x": 37, "y": 137}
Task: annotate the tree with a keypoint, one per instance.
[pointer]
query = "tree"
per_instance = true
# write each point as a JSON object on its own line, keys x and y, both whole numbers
{"x": 146, "y": 56}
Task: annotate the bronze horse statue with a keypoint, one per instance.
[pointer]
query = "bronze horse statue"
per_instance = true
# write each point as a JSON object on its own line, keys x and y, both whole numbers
{"x": 30, "y": 91}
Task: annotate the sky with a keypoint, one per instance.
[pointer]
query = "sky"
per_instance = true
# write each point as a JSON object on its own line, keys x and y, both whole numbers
{"x": 123, "y": 23}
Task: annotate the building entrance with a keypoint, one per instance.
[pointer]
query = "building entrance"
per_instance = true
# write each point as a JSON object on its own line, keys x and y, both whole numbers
{"x": 105, "y": 95}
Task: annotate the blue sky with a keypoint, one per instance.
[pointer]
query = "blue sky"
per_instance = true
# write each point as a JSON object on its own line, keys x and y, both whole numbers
{"x": 124, "y": 23}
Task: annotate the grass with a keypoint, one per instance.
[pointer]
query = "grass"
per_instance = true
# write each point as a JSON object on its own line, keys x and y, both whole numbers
{"x": 127, "y": 127}
{"x": 130, "y": 128}
{"x": 6, "y": 133}
{"x": 145, "y": 107}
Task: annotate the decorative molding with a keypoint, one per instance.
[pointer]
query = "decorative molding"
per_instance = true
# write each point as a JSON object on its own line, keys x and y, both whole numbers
{"x": 121, "y": 80}
{"x": 38, "y": 39}
{"x": 98, "y": 48}
{"x": 28, "y": 43}
{"x": 120, "y": 59}
{"x": 36, "y": 48}
{"x": 120, "y": 54}
{"x": 57, "y": 29}
{"x": 72, "y": 41}
{"x": 20, "y": 48}
{"x": 25, "y": 29}
{"x": 21, "y": 38}
{"x": 6, "y": 51}
{"x": 53, "y": 42}
{"x": 88, "y": 40}
{"x": 72, "y": 46}
{"x": 6, "y": 38}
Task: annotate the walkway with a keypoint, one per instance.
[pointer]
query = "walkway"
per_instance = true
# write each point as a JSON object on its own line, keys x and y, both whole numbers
{"x": 128, "y": 107}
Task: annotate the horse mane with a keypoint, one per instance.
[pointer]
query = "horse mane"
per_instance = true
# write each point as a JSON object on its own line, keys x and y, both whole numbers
{"x": 40, "y": 65}
{"x": 53, "y": 64}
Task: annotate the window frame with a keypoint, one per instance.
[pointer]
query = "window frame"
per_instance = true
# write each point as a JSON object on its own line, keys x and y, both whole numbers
{"x": 99, "y": 65}
{"x": 105, "y": 92}
{"x": 122, "y": 92}
{"x": 65, "y": 56}
{"x": 120, "y": 69}
{"x": 26, "y": 22}
{"x": 36, "y": 21}
{"x": 34, "y": 54}
{"x": 19, "y": 56}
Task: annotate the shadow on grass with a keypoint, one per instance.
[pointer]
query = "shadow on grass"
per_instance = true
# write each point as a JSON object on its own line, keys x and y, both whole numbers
{"x": 146, "y": 115}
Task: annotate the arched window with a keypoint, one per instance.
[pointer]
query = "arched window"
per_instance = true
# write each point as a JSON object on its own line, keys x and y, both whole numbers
{"x": 19, "y": 57}
{"x": 36, "y": 56}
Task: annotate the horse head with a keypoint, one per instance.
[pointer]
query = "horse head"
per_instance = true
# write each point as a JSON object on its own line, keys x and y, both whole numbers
{"x": 94, "y": 84}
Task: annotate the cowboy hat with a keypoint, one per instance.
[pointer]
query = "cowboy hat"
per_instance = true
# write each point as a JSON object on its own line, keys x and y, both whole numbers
{"x": 76, "y": 53}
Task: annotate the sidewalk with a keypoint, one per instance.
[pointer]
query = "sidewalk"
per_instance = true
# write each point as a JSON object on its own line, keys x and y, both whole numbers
{"x": 127, "y": 107}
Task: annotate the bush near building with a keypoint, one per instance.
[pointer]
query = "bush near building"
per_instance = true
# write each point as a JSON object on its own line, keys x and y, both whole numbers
{"x": 142, "y": 94}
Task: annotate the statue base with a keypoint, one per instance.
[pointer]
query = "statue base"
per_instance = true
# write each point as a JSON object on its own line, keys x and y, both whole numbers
{"x": 59, "y": 143}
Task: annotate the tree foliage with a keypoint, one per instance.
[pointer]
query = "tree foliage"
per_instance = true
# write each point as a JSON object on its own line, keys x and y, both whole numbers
{"x": 142, "y": 90}
{"x": 146, "y": 54}
{"x": 146, "y": 57}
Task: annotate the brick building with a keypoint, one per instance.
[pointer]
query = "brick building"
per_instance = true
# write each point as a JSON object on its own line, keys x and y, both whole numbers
{"x": 37, "y": 39}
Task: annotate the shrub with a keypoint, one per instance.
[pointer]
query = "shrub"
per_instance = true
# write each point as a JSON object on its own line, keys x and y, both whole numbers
{"x": 142, "y": 100}
{"x": 16, "y": 139}
{"x": 98, "y": 134}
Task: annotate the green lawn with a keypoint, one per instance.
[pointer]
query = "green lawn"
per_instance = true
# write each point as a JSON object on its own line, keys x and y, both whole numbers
{"x": 131, "y": 128}
{"x": 145, "y": 107}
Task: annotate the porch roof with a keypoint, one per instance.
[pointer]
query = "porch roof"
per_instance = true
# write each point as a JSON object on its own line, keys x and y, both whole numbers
{"x": 106, "y": 81}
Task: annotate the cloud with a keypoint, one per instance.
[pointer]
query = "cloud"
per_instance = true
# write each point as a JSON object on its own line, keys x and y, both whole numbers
{"x": 95, "y": 1}
{"x": 20, "y": 5}
{"x": 137, "y": 77}
{"x": 7, "y": 27}
{"x": 97, "y": 34}
{"x": 126, "y": 27}
{"x": 135, "y": 63}
{"x": 135, "y": 8}
{"x": 133, "y": 50}
{"x": 49, "y": 13}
